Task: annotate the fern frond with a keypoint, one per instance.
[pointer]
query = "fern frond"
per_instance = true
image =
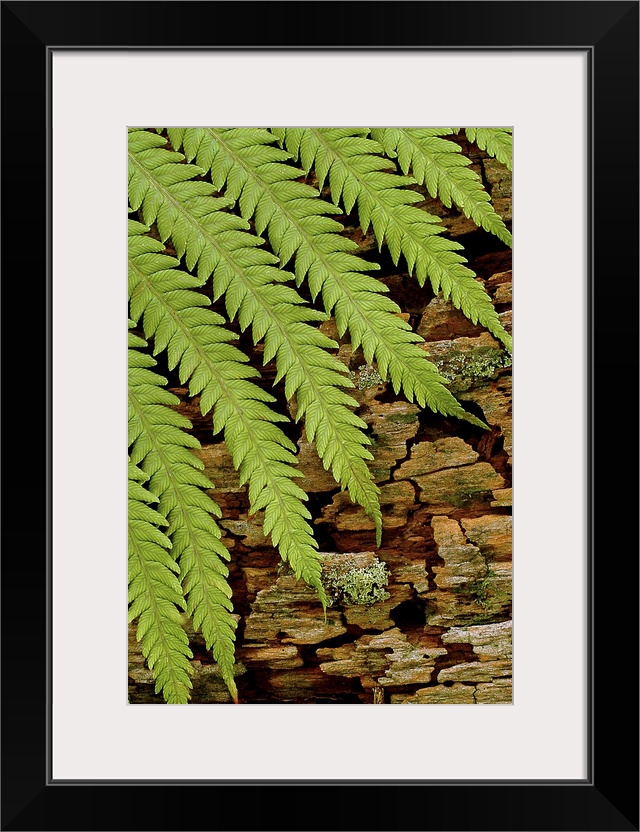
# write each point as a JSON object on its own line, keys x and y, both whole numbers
{"x": 295, "y": 217}
{"x": 155, "y": 595}
{"x": 160, "y": 444}
{"x": 254, "y": 290}
{"x": 359, "y": 174}
{"x": 497, "y": 141}
{"x": 196, "y": 342}
{"x": 444, "y": 169}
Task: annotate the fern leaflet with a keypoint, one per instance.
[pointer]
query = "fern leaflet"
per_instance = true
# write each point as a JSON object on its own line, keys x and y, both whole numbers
{"x": 497, "y": 141}
{"x": 196, "y": 342}
{"x": 358, "y": 174}
{"x": 440, "y": 165}
{"x": 253, "y": 287}
{"x": 155, "y": 595}
{"x": 161, "y": 446}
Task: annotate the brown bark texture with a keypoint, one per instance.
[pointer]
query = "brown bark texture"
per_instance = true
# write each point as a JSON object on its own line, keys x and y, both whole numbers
{"x": 440, "y": 630}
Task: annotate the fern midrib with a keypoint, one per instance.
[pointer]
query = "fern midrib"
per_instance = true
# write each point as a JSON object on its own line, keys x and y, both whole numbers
{"x": 238, "y": 160}
{"x": 166, "y": 194}
{"x": 154, "y": 604}
{"x": 363, "y": 314}
{"x": 189, "y": 336}
{"x": 310, "y": 239}
{"x": 229, "y": 397}
{"x": 266, "y": 186}
{"x": 381, "y": 344}
{"x": 320, "y": 255}
{"x": 193, "y": 221}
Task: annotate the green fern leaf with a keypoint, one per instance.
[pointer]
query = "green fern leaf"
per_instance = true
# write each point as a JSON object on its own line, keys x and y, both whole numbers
{"x": 440, "y": 165}
{"x": 254, "y": 291}
{"x": 295, "y": 218}
{"x": 497, "y": 141}
{"x": 197, "y": 343}
{"x": 155, "y": 595}
{"x": 357, "y": 173}
{"x": 157, "y": 438}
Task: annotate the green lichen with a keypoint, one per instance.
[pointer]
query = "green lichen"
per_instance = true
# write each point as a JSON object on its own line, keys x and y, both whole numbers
{"x": 481, "y": 618}
{"x": 349, "y": 584}
{"x": 480, "y": 363}
{"x": 486, "y": 593}
{"x": 366, "y": 376}
{"x": 481, "y": 589}
{"x": 402, "y": 418}
{"x": 380, "y": 474}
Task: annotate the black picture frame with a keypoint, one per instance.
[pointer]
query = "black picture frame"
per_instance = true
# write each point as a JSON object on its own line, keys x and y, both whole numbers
{"x": 608, "y": 798}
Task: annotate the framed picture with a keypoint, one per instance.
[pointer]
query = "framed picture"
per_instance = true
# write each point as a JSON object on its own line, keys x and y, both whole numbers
{"x": 564, "y": 78}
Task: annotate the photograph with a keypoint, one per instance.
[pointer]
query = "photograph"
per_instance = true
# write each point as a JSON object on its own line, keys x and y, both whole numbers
{"x": 359, "y": 471}
{"x": 320, "y": 436}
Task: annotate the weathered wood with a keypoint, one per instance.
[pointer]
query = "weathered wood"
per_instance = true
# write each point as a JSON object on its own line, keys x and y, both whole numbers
{"x": 428, "y": 457}
{"x": 457, "y": 694}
